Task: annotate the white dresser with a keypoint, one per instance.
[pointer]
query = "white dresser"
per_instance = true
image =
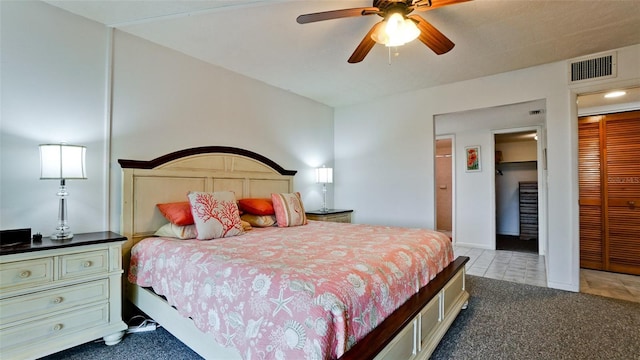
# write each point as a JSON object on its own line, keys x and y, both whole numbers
{"x": 58, "y": 294}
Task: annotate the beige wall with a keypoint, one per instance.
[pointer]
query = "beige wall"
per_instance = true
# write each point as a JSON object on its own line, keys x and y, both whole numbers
{"x": 59, "y": 84}
{"x": 166, "y": 101}
{"x": 53, "y": 90}
{"x": 397, "y": 135}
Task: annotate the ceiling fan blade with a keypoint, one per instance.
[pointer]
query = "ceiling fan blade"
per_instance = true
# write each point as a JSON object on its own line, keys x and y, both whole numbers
{"x": 365, "y": 46}
{"x": 432, "y": 37}
{"x": 336, "y": 14}
{"x": 424, "y": 4}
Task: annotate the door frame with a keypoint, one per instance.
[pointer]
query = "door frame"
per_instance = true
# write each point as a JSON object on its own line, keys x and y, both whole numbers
{"x": 451, "y": 137}
{"x": 542, "y": 185}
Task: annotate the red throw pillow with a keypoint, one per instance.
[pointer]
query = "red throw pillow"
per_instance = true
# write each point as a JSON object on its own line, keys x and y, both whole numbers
{"x": 178, "y": 213}
{"x": 256, "y": 206}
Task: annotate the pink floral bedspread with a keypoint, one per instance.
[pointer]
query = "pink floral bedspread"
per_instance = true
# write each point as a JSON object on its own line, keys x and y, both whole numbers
{"x": 305, "y": 292}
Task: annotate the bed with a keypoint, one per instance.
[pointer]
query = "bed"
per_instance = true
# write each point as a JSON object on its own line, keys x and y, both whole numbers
{"x": 404, "y": 321}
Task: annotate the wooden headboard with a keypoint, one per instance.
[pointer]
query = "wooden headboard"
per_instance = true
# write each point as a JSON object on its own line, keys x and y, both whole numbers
{"x": 168, "y": 178}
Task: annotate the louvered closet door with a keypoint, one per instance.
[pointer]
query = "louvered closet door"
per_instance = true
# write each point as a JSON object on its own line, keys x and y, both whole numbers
{"x": 609, "y": 177}
{"x": 622, "y": 171}
{"x": 591, "y": 221}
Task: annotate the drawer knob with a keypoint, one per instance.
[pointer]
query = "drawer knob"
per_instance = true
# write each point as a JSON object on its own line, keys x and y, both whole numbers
{"x": 25, "y": 274}
{"x": 87, "y": 264}
{"x": 631, "y": 203}
{"x": 57, "y": 300}
{"x": 57, "y": 327}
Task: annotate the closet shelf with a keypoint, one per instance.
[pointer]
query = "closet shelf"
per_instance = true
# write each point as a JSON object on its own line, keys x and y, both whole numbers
{"x": 517, "y": 162}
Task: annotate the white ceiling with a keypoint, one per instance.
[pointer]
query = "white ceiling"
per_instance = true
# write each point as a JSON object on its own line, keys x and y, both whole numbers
{"x": 262, "y": 40}
{"x": 632, "y": 95}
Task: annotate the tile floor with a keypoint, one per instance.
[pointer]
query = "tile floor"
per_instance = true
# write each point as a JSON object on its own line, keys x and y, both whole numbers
{"x": 521, "y": 267}
{"x": 528, "y": 268}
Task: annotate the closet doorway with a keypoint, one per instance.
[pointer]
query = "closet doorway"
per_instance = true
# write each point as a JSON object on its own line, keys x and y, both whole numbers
{"x": 516, "y": 190}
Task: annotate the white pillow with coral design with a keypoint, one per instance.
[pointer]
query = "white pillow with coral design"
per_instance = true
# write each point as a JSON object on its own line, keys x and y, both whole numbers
{"x": 215, "y": 214}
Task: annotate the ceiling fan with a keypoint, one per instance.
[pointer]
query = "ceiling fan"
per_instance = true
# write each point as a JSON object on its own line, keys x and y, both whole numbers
{"x": 397, "y": 28}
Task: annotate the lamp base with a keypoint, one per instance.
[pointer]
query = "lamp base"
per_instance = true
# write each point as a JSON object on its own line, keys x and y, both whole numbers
{"x": 61, "y": 236}
{"x": 62, "y": 232}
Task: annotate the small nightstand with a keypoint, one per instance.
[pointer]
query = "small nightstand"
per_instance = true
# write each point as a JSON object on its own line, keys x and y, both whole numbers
{"x": 333, "y": 215}
{"x": 58, "y": 294}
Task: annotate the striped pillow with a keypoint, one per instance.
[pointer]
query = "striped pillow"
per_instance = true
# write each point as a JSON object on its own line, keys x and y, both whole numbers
{"x": 177, "y": 231}
{"x": 289, "y": 209}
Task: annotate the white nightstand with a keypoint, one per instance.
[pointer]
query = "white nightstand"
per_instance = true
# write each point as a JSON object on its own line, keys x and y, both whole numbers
{"x": 334, "y": 215}
{"x": 58, "y": 294}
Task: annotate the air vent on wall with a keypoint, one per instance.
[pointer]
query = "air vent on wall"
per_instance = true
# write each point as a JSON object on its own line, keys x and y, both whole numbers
{"x": 590, "y": 68}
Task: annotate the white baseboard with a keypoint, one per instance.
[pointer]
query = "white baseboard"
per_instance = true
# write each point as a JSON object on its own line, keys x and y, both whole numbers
{"x": 563, "y": 286}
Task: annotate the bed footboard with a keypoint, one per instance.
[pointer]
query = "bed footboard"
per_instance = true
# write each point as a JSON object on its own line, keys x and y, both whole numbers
{"x": 414, "y": 330}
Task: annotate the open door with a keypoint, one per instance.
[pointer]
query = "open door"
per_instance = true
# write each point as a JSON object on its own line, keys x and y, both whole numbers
{"x": 444, "y": 183}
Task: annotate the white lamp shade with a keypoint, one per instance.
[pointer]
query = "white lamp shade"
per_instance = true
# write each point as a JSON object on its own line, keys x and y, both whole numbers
{"x": 324, "y": 175}
{"x": 62, "y": 161}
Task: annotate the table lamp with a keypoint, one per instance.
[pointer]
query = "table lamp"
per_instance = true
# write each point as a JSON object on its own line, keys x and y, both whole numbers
{"x": 62, "y": 162}
{"x": 324, "y": 176}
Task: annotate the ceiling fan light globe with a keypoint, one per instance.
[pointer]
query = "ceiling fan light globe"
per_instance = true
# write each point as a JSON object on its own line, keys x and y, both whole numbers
{"x": 394, "y": 27}
{"x": 395, "y": 42}
{"x": 380, "y": 35}
{"x": 410, "y": 31}
{"x": 395, "y": 30}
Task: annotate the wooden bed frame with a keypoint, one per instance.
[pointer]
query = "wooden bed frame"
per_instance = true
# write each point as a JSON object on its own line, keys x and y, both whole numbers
{"x": 411, "y": 332}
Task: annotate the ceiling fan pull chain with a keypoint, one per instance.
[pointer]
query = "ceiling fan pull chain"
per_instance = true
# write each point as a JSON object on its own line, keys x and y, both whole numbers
{"x": 395, "y": 53}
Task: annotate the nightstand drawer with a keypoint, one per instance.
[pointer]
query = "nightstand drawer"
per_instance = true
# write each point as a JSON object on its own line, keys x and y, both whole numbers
{"x": 332, "y": 215}
{"x": 44, "y": 302}
{"x": 20, "y": 274}
{"x": 340, "y": 218}
{"x": 30, "y": 334}
{"x": 83, "y": 264}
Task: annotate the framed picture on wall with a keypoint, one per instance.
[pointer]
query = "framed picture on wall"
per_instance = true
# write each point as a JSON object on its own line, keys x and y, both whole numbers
{"x": 473, "y": 158}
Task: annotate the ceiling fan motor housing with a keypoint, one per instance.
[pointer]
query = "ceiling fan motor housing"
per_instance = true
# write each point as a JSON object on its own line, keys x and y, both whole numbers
{"x": 386, "y": 7}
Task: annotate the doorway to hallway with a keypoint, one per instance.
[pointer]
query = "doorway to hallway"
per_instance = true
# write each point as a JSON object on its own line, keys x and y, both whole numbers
{"x": 444, "y": 184}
